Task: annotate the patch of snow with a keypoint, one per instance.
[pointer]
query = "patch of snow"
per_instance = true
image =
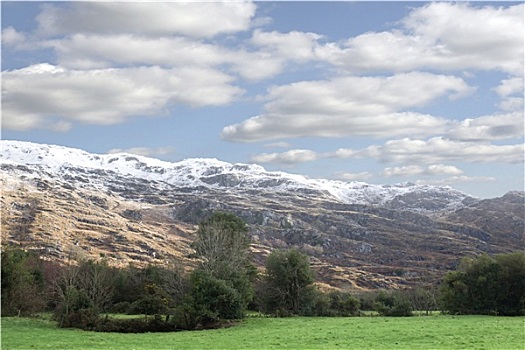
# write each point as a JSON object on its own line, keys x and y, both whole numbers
{"x": 192, "y": 173}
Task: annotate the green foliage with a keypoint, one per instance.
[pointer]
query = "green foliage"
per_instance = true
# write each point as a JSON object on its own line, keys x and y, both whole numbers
{"x": 154, "y": 300}
{"x": 392, "y": 303}
{"x": 486, "y": 285}
{"x": 288, "y": 283}
{"x": 332, "y": 304}
{"x": 511, "y": 284}
{"x": 22, "y": 283}
{"x": 135, "y": 325}
{"x": 214, "y": 299}
{"x": 222, "y": 284}
{"x": 422, "y": 299}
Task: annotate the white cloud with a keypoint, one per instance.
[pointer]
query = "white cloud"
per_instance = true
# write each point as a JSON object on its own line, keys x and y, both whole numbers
{"x": 488, "y": 37}
{"x": 456, "y": 179}
{"x": 194, "y": 19}
{"x": 486, "y": 128}
{"x": 509, "y": 87}
{"x": 297, "y": 46}
{"x": 440, "y": 35}
{"x": 353, "y": 176}
{"x": 91, "y": 51}
{"x": 438, "y": 149}
{"x": 280, "y": 144}
{"x": 416, "y": 170}
{"x": 11, "y": 37}
{"x": 410, "y": 151}
{"x": 106, "y": 96}
{"x": 350, "y": 106}
{"x": 512, "y": 103}
{"x": 144, "y": 151}
{"x": 511, "y": 92}
{"x": 286, "y": 158}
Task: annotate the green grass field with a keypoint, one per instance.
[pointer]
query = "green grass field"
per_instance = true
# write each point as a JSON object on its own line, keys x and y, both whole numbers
{"x": 432, "y": 332}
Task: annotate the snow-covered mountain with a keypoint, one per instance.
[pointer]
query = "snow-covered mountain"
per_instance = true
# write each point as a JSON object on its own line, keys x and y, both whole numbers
{"x": 66, "y": 163}
{"x": 61, "y": 201}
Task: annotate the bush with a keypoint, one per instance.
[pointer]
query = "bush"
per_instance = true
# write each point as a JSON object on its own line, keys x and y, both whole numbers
{"x": 136, "y": 325}
{"x": 343, "y": 304}
{"x": 213, "y": 299}
{"x": 86, "y": 319}
{"x": 122, "y": 307}
{"x": 392, "y": 304}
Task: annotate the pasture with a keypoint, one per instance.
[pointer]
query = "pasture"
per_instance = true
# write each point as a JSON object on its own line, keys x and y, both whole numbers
{"x": 420, "y": 332}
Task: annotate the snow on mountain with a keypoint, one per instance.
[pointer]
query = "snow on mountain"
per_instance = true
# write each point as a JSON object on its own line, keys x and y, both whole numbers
{"x": 210, "y": 173}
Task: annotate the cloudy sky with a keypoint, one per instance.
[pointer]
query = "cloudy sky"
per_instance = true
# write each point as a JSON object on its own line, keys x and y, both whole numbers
{"x": 386, "y": 92}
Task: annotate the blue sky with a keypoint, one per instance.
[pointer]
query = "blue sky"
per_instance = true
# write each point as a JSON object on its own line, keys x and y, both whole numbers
{"x": 380, "y": 92}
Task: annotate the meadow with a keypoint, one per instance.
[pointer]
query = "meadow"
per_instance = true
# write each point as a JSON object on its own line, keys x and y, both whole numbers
{"x": 420, "y": 332}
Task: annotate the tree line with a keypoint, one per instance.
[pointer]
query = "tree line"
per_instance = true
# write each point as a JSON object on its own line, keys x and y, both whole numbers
{"x": 225, "y": 284}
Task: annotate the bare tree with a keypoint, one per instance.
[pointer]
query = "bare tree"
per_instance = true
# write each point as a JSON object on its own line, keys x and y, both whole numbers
{"x": 222, "y": 243}
{"x": 96, "y": 282}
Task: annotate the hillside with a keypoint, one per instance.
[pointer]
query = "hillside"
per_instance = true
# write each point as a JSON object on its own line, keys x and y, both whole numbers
{"x": 66, "y": 203}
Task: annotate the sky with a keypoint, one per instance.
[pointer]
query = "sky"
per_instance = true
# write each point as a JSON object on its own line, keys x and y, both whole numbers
{"x": 377, "y": 92}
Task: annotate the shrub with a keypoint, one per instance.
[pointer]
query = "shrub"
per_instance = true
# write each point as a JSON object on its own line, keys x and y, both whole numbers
{"x": 136, "y": 325}
{"x": 392, "y": 304}
{"x": 214, "y": 299}
{"x": 86, "y": 319}
{"x": 122, "y": 307}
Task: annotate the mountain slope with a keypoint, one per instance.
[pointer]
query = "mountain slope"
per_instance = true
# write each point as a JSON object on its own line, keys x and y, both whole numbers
{"x": 66, "y": 202}
{"x": 212, "y": 173}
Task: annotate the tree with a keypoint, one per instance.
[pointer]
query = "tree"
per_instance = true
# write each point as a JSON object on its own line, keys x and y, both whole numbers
{"x": 96, "y": 280}
{"x": 511, "y": 282}
{"x": 393, "y": 303}
{"x": 333, "y": 304}
{"x": 222, "y": 243}
{"x": 288, "y": 282}
{"x": 22, "y": 283}
{"x": 422, "y": 299}
{"x": 83, "y": 291}
{"x": 225, "y": 270}
{"x": 486, "y": 285}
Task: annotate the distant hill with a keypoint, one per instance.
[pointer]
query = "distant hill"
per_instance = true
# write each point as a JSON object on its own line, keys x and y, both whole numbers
{"x": 66, "y": 202}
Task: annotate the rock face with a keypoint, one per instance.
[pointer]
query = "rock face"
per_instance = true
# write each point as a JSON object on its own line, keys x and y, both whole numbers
{"x": 65, "y": 202}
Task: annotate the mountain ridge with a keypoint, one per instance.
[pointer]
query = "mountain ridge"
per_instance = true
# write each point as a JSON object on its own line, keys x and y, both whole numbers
{"x": 376, "y": 237}
{"x": 208, "y": 172}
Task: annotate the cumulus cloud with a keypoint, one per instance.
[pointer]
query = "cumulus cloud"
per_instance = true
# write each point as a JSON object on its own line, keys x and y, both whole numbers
{"x": 11, "y": 37}
{"x": 440, "y": 35}
{"x": 456, "y": 179}
{"x": 297, "y": 46}
{"x": 411, "y": 151}
{"x": 106, "y": 96}
{"x": 438, "y": 149}
{"x": 193, "y": 19}
{"x": 511, "y": 92}
{"x": 353, "y": 176}
{"x": 144, "y": 151}
{"x": 280, "y": 144}
{"x": 487, "y": 128}
{"x": 286, "y": 158}
{"x": 350, "y": 106}
{"x": 92, "y": 51}
{"x": 416, "y": 170}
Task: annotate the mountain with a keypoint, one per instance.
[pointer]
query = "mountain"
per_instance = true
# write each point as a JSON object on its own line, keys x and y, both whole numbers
{"x": 122, "y": 207}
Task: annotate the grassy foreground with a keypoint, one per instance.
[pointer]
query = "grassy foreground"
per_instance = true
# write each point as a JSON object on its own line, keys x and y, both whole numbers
{"x": 433, "y": 332}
